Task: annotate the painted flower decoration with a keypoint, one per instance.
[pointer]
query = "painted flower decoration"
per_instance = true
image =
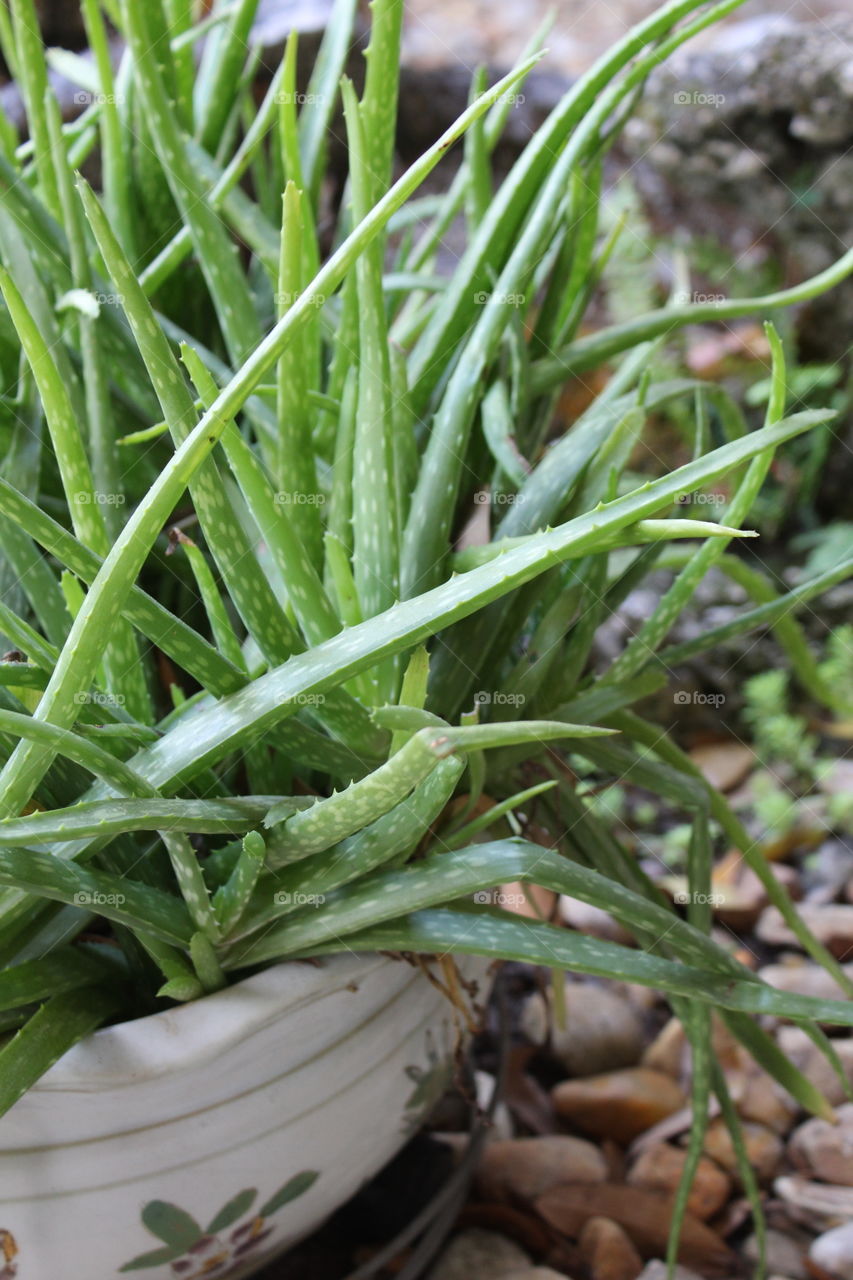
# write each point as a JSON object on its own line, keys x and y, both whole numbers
{"x": 8, "y": 1254}
{"x": 215, "y": 1251}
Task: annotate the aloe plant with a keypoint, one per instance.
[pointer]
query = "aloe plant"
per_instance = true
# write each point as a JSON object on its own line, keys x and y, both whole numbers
{"x": 252, "y": 666}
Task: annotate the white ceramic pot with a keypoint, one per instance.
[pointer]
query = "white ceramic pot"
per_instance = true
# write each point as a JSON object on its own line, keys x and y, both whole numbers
{"x": 203, "y": 1140}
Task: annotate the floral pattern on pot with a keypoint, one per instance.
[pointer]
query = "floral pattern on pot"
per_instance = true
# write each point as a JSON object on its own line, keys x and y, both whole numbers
{"x": 218, "y": 1249}
{"x": 8, "y": 1254}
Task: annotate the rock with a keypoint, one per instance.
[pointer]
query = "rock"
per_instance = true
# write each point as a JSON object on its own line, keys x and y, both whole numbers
{"x": 668, "y": 1052}
{"x": 593, "y": 921}
{"x": 758, "y": 1097}
{"x": 804, "y": 1053}
{"x": 785, "y": 1254}
{"x": 743, "y": 898}
{"x": 619, "y": 1104}
{"x": 815, "y": 1204}
{"x": 832, "y": 924}
{"x": 527, "y": 1167}
{"x": 723, "y": 764}
{"x": 805, "y": 978}
{"x": 834, "y": 1251}
{"x": 535, "y": 1273}
{"x": 608, "y": 1252}
{"x": 764, "y": 1148}
{"x": 823, "y": 1150}
{"x": 501, "y": 1119}
{"x": 603, "y": 1031}
{"x": 660, "y": 1168}
{"x": 646, "y": 1216}
{"x": 474, "y": 1252}
{"x": 534, "y": 1019}
{"x": 657, "y": 1270}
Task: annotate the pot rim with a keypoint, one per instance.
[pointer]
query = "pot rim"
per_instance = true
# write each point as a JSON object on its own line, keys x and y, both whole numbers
{"x": 187, "y": 1035}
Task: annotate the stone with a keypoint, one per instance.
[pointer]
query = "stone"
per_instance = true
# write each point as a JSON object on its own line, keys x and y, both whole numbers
{"x": 603, "y": 1031}
{"x": 785, "y": 1254}
{"x": 608, "y": 1251}
{"x": 834, "y": 1251}
{"x": 535, "y": 1273}
{"x": 593, "y": 921}
{"x": 723, "y": 764}
{"x": 823, "y": 1150}
{"x": 660, "y": 1167}
{"x": 619, "y": 1104}
{"x": 527, "y": 1167}
{"x": 763, "y": 1147}
{"x": 668, "y": 1052}
{"x": 657, "y": 1270}
{"x": 475, "y": 1252}
{"x": 805, "y": 978}
{"x": 817, "y": 1205}
{"x": 804, "y": 1054}
{"x": 501, "y": 1127}
{"x": 831, "y": 923}
{"x": 646, "y": 1216}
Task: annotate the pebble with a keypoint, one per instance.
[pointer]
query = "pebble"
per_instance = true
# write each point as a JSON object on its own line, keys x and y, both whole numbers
{"x": 501, "y": 1127}
{"x": 608, "y": 1251}
{"x": 785, "y": 1255}
{"x": 527, "y": 1167}
{"x": 823, "y": 1150}
{"x": 603, "y": 1031}
{"x": 804, "y": 1053}
{"x": 763, "y": 1147}
{"x": 831, "y": 924}
{"x": 834, "y": 1251}
{"x": 805, "y": 978}
{"x": 659, "y": 1168}
{"x": 657, "y": 1270}
{"x": 594, "y": 921}
{"x": 475, "y": 1252}
{"x": 817, "y": 1205}
{"x": 723, "y": 764}
{"x": 619, "y": 1104}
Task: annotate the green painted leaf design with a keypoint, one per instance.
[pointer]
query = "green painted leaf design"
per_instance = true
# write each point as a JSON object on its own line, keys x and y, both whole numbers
{"x": 156, "y": 1258}
{"x": 234, "y": 1209}
{"x": 297, "y": 1186}
{"x": 174, "y": 1226}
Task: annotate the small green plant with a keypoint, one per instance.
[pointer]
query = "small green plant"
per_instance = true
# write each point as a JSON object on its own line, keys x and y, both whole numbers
{"x": 246, "y": 750}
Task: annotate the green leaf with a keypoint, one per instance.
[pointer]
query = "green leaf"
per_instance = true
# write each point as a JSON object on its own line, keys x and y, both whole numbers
{"x": 297, "y": 1186}
{"x": 171, "y": 1224}
{"x": 234, "y": 1209}
{"x": 49, "y": 1033}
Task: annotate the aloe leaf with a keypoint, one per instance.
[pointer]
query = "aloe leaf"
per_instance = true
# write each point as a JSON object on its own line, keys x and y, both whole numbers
{"x": 64, "y": 969}
{"x": 231, "y": 900}
{"x": 375, "y": 517}
{"x": 590, "y": 352}
{"x": 389, "y": 841}
{"x": 500, "y": 937}
{"x": 223, "y": 57}
{"x": 117, "y": 898}
{"x": 49, "y": 1033}
{"x": 112, "y": 817}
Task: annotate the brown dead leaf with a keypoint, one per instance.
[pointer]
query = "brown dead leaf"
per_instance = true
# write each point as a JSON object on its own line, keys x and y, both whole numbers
{"x": 723, "y": 764}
